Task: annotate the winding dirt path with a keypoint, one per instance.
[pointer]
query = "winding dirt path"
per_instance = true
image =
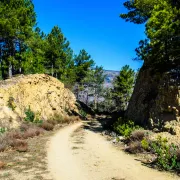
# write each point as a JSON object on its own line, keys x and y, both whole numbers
{"x": 77, "y": 152}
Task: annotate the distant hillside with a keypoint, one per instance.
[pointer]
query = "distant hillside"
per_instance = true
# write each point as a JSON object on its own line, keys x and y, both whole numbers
{"x": 110, "y": 75}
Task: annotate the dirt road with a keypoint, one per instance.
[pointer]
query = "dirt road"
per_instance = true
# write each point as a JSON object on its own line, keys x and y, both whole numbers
{"x": 78, "y": 152}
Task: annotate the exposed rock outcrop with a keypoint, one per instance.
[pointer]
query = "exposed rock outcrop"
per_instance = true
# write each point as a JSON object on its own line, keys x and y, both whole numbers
{"x": 156, "y": 98}
{"x": 45, "y": 95}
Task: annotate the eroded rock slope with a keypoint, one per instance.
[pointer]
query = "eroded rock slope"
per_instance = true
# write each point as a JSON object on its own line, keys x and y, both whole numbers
{"x": 45, "y": 95}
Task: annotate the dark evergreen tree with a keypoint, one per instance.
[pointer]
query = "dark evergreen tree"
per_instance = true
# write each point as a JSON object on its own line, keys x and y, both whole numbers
{"x": 162, "y": 21}
{"x": 57, "y": 52}
{"x": 123, "y": 87}
{"x": 33, "y": 57}
{"x": 16, "y": 23}
{"x": 83, "y": 63}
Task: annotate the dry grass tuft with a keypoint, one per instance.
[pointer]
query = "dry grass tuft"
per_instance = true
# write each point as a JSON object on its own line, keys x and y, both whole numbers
{"x": 20, "y": 145}
{"x": 137, "y": 135}
{"x": 59, "y": 119}
{"x": 24, "y": 127}
{"x": 3, "y": 143}
{"x": 32, "y": 132}
{"x": 47, "y": 126}
{"x": 134, "y": 147}
{"x": 15, "y": 134}
{"x": 75, "y": 118}
{"x": 22, "y": 148}
{"x": 69, "y": 119}
{"x": 53, "y": 122}
{"x": 2, "y": 164}
{"x": 15, "y": 138}
{"x": 3, "y": 147}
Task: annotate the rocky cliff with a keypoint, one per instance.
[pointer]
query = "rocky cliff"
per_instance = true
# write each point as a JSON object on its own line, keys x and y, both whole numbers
{"x": 156, "y": 98}
{"x": 45, "y": 95}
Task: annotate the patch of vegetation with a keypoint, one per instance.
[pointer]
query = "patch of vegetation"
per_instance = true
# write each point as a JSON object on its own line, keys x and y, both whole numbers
{"x": 124, "y": 127}
{"x": 31, "y": 127}
{"x": 16, "y": 139}
{"x": 134, "y": 147}
{"x": 47, "y": 126}
{"x": 30, "y": 115}
{"x": 56, "y": 119}
{"x": 32, "y": 132}
{"x": 138, "y": 135}
{"x": 145, "y": 144}
{"x": 11, "y": 103}
{"x": 167, "y": 154}
{"x": 83, "y": 113}
{"x": 3, "y": 130}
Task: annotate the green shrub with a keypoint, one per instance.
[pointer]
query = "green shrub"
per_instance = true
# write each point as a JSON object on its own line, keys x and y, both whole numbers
{"x": 30, "y": 115}
{"x": 11, "y": 103}
{"x": 145, "y": 144}
{"x": 166, "y": 154}
{"x": 83, "y": 113}
{"x": 38, "y": 121}
{"x": 124, "y": 127}
{"x": 3, "y": 130}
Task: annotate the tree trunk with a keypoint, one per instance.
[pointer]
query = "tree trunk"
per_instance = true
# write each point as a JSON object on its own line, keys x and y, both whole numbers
{"x": 11, "y": 56}
{"x": 3, "y": 71}
{"x": 20, "y": 68}
{"x": 87, "y": 96}
{"x": 10, "y": 70}
{"x": 52, "y": 70}
{"x": 95, "y": 99}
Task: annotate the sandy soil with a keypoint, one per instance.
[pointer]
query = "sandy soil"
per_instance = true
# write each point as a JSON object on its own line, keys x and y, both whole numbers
{"x": 79, "y": 152}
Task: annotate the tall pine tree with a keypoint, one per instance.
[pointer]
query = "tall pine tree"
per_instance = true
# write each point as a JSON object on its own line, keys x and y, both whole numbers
{"x": 16, "y": 23}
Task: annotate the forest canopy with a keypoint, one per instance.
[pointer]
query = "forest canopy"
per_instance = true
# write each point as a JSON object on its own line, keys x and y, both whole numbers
{"x": 26, "y": 49}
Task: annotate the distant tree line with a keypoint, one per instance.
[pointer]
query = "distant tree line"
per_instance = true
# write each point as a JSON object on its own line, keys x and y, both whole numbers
{"x": 25, "y": 49}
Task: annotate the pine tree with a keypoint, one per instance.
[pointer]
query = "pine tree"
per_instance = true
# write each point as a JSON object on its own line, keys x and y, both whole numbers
{"x": 16, "y": 23}
{"x": 160, "y": 50}
{"x": 33, "y": 57}
{"x": 57, "y": 52}
{"x": 83, "y": 63}
{"x": 123, "y": 87}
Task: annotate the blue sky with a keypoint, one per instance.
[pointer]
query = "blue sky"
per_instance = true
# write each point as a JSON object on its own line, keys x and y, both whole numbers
{"x": 94, "y": 26}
